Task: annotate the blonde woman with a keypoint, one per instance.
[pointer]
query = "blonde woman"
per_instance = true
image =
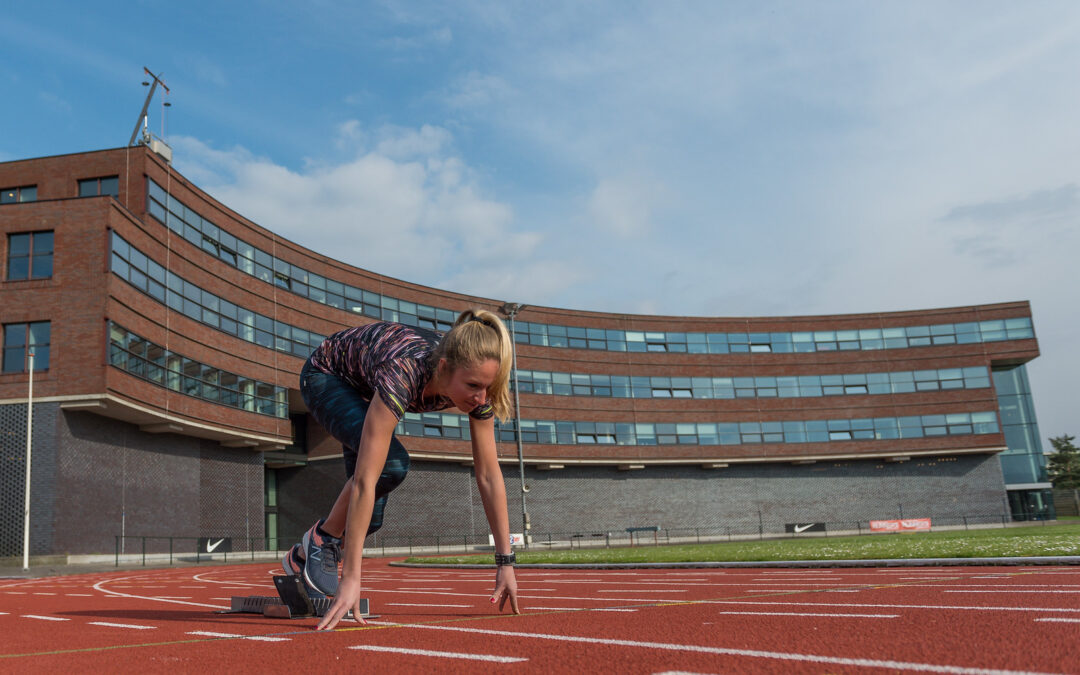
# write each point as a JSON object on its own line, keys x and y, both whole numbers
{"x": 357, "y": 384}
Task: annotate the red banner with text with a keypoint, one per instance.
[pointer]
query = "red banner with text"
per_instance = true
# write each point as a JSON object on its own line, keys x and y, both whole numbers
{"x": 904, "y": 525}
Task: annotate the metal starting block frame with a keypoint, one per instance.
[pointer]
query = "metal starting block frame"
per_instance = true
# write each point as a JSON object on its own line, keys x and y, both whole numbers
{"x": 293, "y": 602}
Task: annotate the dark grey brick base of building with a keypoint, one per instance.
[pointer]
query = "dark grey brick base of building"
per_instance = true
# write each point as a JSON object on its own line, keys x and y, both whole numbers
{"x": 441, "y": 498}
{"x": 93, "y": 478}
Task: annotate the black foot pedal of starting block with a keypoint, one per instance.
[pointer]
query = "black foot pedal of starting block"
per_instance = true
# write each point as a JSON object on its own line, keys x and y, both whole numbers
{"x": 293, "y": 602}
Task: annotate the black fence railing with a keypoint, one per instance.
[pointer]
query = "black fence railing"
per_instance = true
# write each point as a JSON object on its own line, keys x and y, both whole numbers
{"x": 147, "y": 550}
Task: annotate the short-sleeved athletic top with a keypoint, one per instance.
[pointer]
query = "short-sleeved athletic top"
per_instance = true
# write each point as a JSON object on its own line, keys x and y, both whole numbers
{"x": 391, "y": 359}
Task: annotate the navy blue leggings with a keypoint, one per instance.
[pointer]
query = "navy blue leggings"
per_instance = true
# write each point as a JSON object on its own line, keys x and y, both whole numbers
{"x": 339, "y": 408}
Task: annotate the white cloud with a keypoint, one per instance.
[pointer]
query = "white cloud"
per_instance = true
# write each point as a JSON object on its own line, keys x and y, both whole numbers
{"x": 404, "y": 208}
{"x": 476, "y": 90}
{"x": 623, "y": 206}
{"x": 203, "y": 69}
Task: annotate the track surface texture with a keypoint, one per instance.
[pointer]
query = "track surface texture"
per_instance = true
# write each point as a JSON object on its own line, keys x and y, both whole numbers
{"x": 974, "y": 620}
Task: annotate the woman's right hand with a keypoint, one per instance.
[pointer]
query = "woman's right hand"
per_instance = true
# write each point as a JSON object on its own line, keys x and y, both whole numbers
{"x": 348, "y": 598}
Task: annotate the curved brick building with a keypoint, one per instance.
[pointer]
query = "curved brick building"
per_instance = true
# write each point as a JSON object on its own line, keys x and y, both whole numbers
{"x": 169, "y": 331}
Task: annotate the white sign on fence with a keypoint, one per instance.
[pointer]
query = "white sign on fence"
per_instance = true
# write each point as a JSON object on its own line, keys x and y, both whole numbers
{"x": 515, "y": 539}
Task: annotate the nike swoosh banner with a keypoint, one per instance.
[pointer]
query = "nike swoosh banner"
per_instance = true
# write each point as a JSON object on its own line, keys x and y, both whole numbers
{"x": 215, "y": 544}
{"x": 802, "y": 528}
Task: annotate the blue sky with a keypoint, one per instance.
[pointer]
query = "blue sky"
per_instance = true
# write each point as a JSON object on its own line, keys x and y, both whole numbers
{"x": 703, "y": 158}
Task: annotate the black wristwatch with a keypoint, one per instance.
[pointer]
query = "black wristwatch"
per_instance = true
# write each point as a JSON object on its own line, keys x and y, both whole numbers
{"x": 503, "y": 559}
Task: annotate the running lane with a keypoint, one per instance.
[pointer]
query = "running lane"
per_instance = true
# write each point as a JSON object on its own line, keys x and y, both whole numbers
{"x": 948, "y": 620}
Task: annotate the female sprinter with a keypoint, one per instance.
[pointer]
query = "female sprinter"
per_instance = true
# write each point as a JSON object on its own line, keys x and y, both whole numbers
{"x": 357, "y": 384}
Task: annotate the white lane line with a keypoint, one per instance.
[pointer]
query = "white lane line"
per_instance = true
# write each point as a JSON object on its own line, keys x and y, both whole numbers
{"x": 850, "y": 616}
{"x": 750, "y": 653}
{"x": 79, "y": 595}
{"x": 44, "y": 618}
{"x": 417, "y": 604}
{"x": 4, "y": 613}
{"x": 260, "y": 638}
{"x": 1008, "y": 590}
{"x": 631, "y": 590}
{"x": 38, "y": 593}
{"x": 1058, "y": 620}
{"x": 121, "y": 625}
{"x": 117, "y": 594}
{"x": 421, "y": 588}
{"x": 443, "y": 655}
{"x": 582, "y": 609}
{"x": 889, "y": 606}
{"x": 526, "y": 597}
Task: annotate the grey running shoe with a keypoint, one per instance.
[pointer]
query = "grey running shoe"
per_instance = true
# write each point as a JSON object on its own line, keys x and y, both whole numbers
{"x": 323, "y": 553}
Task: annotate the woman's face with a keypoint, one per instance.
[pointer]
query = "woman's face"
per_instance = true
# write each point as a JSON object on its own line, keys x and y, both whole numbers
{"x": 467, "y": 386}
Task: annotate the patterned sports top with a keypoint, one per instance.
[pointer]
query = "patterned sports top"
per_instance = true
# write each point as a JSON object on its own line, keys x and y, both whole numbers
{"x": 390, "y": 358}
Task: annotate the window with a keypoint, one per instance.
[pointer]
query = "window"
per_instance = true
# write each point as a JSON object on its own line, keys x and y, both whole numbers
{"x": 26, "y": 193}
{"x": 107, "y": 185}
{"x": 30, "y": 255}
{"x": 17, "y": 338}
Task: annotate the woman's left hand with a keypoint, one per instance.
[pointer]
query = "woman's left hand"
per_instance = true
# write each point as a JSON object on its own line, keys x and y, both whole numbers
{"x": 505, "y": 588}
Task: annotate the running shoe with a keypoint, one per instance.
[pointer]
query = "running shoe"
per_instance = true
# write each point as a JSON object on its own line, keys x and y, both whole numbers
{"x": 323, "y": 553}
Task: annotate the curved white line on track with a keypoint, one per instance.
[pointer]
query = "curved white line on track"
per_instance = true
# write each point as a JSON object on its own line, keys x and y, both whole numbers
{"x": 750, "y": 653}
{"x": 118, "y": 594}
{"x": 202, "y": 578}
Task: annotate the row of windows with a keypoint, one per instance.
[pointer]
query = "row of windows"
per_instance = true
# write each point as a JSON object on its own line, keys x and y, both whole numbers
{"x": 30, "y": 256}
{"x": 446, "y": 425}
{"x": 88, "y": 187}
{"x": 546, "y": 335}
{"x": 25, "y": 193}
{"x": 236, "y": 252}
{"x": 795, "y": 386}
{"x": 204, "y": 234}
{"x": 154, "y": 363}
{"x": 133, "y": 266}
{"x": 22, "y": 338}
{"x": 148, "y": 276}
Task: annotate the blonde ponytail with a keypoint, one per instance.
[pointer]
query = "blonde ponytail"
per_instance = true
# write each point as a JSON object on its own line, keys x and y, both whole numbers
{"x": 476, "y": 336}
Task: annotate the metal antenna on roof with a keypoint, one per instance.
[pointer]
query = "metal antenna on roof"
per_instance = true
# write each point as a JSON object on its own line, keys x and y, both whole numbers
{"x": 142, "y": 121}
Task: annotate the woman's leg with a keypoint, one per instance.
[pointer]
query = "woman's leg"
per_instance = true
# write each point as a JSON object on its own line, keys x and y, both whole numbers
{"x": 393, "y": 473}
{"x": 339, "y": 408}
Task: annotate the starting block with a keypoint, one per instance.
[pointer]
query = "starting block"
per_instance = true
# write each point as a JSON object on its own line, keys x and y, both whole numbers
{"x": 293, "y": 602}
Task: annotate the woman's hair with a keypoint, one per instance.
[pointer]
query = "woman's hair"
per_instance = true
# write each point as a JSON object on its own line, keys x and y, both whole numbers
{"x": 476, "y": 336}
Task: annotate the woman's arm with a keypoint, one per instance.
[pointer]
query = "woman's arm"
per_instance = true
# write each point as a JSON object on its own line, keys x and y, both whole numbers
{"x": 489, "y": 480}
{"x": 371, "y": 457}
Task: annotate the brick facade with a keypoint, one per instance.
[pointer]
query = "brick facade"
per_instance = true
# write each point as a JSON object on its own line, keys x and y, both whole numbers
{"x": 188, "y": 465}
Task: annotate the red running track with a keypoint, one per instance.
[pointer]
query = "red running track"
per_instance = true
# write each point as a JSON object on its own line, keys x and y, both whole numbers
{"x": 966, "y": 621}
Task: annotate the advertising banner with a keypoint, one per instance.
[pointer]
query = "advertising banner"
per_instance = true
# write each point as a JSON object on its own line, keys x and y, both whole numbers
{"x": 799, "y": 528}
{"x": 516, "y": 539}
{"x": 215, "y": 544}
{"x": 904, "y": 525}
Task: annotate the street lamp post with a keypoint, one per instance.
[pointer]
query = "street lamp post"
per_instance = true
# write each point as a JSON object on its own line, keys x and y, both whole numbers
{"x": 29, "y": 440}
{"x": 510, "y": 309}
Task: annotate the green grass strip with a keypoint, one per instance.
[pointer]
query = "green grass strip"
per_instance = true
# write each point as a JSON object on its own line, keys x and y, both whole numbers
{"x": 1036, "y": 540}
